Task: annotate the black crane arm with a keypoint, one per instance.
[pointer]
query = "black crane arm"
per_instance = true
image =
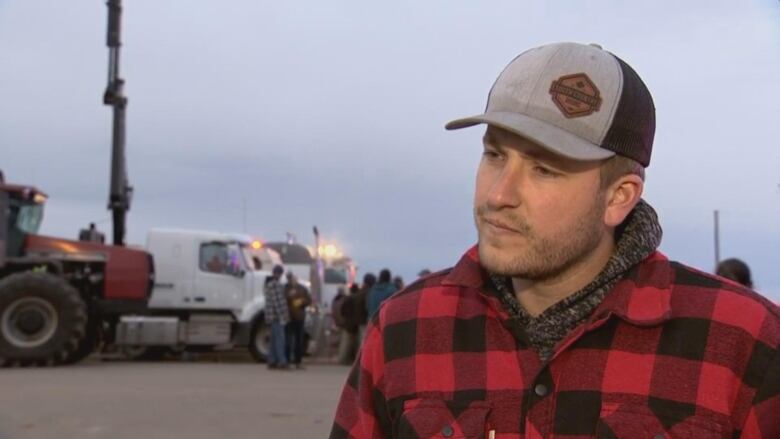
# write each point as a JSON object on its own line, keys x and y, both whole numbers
{"x": 121, "y": 192}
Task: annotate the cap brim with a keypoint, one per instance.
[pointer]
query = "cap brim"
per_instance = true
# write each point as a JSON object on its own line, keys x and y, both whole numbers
{"x": 550, "y": 137}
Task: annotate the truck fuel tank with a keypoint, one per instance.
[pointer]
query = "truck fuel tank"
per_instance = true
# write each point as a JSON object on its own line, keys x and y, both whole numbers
{"x": 200, "y": 329}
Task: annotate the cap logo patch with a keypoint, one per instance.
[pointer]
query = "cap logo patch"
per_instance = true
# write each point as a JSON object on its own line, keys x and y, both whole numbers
{"x": 575, "y": 95}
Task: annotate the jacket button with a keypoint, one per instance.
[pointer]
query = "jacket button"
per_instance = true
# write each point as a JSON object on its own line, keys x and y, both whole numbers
{"x": 541, "y": 390}
{"x": 447, "y": 431}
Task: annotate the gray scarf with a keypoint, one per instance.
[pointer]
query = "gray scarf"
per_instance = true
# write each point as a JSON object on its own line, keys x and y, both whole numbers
{"x": 637, "y": 238}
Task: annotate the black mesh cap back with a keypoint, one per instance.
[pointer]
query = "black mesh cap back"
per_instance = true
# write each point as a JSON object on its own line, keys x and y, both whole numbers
{"x": 633, "y": 127}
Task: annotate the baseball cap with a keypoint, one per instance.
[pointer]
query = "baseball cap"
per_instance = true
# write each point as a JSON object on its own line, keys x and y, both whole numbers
{"x": 278, "y": 269}
{"x": 576, "y": 100}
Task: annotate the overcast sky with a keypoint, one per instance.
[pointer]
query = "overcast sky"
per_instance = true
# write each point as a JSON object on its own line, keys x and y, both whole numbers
{"x": 332, "y": 113}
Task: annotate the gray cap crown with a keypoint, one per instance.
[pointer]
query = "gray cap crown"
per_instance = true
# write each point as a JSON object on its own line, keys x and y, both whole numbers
{"x": 576, "y": 100}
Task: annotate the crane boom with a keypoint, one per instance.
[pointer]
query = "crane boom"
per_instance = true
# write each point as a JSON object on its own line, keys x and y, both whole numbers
{"x": 121, "y": 192}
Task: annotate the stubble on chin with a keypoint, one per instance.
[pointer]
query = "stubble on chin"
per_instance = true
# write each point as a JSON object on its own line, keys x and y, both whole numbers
{"x": 536, "y": 258}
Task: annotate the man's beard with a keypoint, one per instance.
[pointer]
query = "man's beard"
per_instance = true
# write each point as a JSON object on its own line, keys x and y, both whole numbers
{"x": 542, "y": 258}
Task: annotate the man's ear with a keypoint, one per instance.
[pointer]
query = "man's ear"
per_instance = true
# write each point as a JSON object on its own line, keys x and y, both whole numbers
{"x": 621, "y": 197}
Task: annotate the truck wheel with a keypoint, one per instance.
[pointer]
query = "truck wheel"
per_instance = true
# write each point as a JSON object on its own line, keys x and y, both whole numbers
{"x": 259, "y": 340}
{"x": 42, "y": 319}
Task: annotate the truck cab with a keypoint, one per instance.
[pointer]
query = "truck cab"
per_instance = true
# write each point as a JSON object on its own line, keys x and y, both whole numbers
{"x": 208, "y": 294}
{"x": 205, "y": 270}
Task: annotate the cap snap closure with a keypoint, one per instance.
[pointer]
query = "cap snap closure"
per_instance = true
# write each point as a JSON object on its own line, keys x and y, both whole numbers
{"x": 541, "y": 390}
{"x": 447, "y": 431}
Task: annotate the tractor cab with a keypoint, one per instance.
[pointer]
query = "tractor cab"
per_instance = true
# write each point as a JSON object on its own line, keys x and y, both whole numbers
{"x": 21, "y": 213}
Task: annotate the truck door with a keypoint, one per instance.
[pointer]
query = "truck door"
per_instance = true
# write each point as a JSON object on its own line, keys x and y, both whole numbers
{"x": 220, "y": 281}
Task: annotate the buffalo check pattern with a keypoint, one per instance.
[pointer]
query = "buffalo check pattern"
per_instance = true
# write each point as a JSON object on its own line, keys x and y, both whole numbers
{"x": 671, "y": 352}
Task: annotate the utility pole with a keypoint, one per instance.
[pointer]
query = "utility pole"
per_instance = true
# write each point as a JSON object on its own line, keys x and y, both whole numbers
{"x": 322, "y": 331}
{"x": 243, "y": 204}
{"x": 717, "y": 236}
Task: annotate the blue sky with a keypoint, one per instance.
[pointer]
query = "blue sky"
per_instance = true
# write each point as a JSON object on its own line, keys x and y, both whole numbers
{"x": 332, "y": 113}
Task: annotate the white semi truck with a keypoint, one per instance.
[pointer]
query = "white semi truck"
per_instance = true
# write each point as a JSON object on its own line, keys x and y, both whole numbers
{"x": 207, "y": 295}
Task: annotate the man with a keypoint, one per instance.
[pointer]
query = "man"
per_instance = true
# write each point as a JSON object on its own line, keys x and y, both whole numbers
{"x": 361, "y": 304}
{"x": 350, "y": 324}
{"x": 736, "y": 270}
{"x": 565, "y": 321}
{"x": 380, "y": 292}
{"x": 298, "y": 298}
{"x": 276, "y": 315}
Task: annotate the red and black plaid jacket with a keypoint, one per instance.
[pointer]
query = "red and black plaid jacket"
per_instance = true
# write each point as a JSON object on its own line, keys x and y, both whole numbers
{"x": 671, "y": 352}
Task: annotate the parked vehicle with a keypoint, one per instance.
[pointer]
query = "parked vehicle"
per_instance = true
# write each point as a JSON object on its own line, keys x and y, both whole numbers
{"x": 208, "y": 295}
{"x": 58, "y": 297}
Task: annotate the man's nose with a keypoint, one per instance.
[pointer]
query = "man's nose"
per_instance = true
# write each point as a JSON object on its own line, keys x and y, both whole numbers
{"x": 507, "y": 187}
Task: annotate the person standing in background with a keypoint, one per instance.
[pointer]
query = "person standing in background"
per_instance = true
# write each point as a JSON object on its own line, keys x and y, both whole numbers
{"x": 348, "y": 342}
{"x": 398, "y": 281}
{"x": 361, "y": 304}
{"x": 276, "y": 316}
{"x": 736, "y": 270}
{"x": 298, "y": 298}
{"x": 380, "y": 292}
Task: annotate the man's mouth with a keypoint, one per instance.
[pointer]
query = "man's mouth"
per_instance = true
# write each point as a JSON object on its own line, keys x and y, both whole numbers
{"x": 501, "y": 226}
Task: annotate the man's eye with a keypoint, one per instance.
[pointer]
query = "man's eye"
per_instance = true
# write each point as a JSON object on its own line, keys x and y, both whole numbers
{"x": 545, "y": 172}
{"x": 490, "y": 154}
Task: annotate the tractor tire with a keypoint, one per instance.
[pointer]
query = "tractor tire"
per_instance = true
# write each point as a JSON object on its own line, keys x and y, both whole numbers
{"x": 87, "y": 344}
{"x": 260, "y": 340}
{"x": 42, "y": 319}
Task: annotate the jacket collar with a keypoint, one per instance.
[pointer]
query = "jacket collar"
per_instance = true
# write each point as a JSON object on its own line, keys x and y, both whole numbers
{"x": 642, "y": 297}
{"x": 468, "y": 272}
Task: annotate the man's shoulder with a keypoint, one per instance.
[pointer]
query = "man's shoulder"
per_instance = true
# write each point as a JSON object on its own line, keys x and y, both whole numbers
{"x": 687, "y": 280}
{"x": 695, "y": 293}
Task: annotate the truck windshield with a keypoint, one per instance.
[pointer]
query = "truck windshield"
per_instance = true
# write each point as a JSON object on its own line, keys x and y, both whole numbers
{"x": 222, "y": 258}
{"x": 335, "y": 275}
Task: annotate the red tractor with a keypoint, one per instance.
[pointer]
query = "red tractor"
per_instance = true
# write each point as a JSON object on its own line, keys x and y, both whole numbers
{"x": 59, "y": 298}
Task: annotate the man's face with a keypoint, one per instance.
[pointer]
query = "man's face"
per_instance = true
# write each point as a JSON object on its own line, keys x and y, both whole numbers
{"x": 537, "y": 214}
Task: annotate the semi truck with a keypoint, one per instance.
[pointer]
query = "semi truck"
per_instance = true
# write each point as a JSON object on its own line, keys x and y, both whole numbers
{"x": 207, "y": 295}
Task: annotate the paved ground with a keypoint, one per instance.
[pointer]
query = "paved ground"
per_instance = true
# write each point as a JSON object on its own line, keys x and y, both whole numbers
{"x": 233, "y": 398}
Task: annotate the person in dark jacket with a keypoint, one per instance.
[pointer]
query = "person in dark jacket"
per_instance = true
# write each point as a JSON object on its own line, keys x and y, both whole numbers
{"x": 361, "y": 304}
{"x": 298, "y": 298}
{"x": 736, "y": 270}
{"x": 383, "y": 289}
{"x": 348, "y": 341}
{"x": 398, "y": 281}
